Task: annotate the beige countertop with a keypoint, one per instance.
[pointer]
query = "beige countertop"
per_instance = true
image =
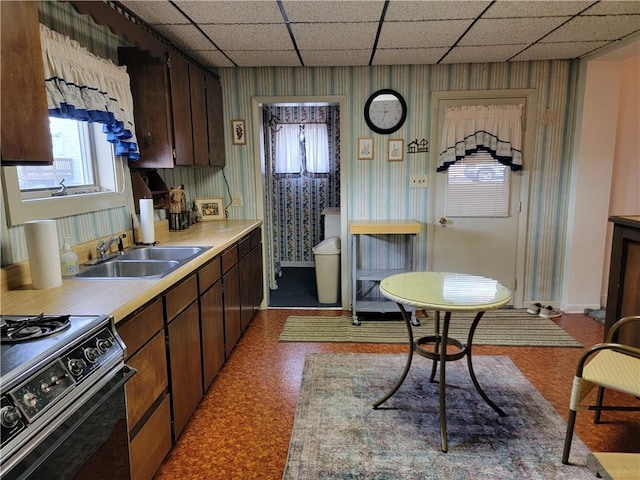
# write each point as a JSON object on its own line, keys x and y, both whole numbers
{"x": 119, "y": 297}
{"x": 384, "y": 227}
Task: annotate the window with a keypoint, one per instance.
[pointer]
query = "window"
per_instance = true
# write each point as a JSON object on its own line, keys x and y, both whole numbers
{"x": 302, "y": 148}
{"x": 83, "y": 160}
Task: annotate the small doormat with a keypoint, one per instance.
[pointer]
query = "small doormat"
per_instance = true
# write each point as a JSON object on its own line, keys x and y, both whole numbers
{"x": 498, "y": 327}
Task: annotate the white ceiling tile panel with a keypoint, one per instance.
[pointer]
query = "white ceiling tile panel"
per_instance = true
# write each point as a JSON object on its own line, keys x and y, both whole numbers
{"x": 614, "y": 8}
{"x": 494, "y": 53}
{"x": 511, "y": 9}
{"x": 156, "y": 12}
{"x": 186, "y": 37}
{"x": 502, "y": 31}
{"x": 408, "y": 56}
{"x": 210, "y": 58}
{"x": 328, "y": 11}
{"x": 330, "y": 58}
{"x": 421, "y": 34}
{"x": 254, "y": 37}
{"x": 434, "y": 10}
{"x": 282, "y": 58}
{"x": 552, "y": 51}
{"x": 334, "y": 36}
{"x": 232, "y": 12}
{"x": 595, "y": 28}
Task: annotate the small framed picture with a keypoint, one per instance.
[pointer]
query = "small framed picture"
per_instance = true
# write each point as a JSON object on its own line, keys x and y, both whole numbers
{"x": 365, "y": 148}
{"x": 239, "y": 133}
{"x": 396, "y": 150}
{"x": 210, "y": 208}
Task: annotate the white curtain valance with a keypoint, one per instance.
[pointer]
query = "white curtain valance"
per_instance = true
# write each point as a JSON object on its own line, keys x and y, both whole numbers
{"x": 85, "y": 87}
{"x": 493, "y": 128}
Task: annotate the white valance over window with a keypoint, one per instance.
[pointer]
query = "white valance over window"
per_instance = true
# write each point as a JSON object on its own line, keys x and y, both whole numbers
{"x": 496, "y": 129}
{"x": 84, "y": 87}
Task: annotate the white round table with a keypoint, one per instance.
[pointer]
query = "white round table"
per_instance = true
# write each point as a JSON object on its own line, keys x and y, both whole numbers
{"x": 443, "y": 292}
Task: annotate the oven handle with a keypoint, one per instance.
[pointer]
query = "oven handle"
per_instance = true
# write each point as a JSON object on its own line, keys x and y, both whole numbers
{"x": 126, "y": 371}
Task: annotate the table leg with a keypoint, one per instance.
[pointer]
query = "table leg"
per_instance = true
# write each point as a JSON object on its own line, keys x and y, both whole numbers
{"x": 407, "y": 366}
{"x": 472, "y": 330}
{"x": 443, "y": 383}
{"x": 434, "y": 364}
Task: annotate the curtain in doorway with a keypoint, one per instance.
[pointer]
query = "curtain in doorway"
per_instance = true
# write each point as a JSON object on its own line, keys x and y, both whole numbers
{"x": 496, "y": 129}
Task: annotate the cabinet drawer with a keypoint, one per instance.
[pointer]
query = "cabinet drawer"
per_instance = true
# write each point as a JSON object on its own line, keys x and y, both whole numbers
{"x": 256, "y": 237}
{"x": 209, "y": 274}
{"x": 181, "y": 296}
{"x": 138, "y": 329}
{"x": 229, "y": 258}
{"x": 149, "y": 382}
{"x": 151, "y": 445}
{"x": 244, "y": 247}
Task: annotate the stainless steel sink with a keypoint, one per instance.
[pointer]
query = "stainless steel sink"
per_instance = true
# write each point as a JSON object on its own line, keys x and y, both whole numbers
{"x": 163, "y": 253}
{"x": 143, "y": 262}
{"x": 130, "y": 269}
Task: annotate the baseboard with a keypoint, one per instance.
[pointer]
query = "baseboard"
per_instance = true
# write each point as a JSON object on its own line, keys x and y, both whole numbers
{"x": 297, "y": 264}
{"x": 579, "y": 307}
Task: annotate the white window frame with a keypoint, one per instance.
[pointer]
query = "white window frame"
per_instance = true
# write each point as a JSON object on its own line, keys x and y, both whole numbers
{"x": 111, "y": 174}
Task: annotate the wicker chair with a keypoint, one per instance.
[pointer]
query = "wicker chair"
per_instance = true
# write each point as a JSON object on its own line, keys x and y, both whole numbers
{"x": 610, "y": 365}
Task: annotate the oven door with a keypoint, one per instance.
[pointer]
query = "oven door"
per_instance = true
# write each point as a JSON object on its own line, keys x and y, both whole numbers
{"x": 92, "y": 443}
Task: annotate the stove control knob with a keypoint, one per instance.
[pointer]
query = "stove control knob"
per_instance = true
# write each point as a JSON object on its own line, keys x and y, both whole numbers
{"x": 29, "y": 399}
{"x": 9, "y": 416}
{"x": 104, "y": 344}
{"x": 76, "y": 366}
{"x": 91, "y": 354}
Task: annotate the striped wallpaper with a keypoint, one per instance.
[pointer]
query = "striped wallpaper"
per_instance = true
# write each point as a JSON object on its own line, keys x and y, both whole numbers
{"x": 379, "y": 189}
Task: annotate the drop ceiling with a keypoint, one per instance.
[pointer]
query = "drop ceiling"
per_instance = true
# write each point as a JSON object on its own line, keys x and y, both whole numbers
{"x": 322, "y": 33}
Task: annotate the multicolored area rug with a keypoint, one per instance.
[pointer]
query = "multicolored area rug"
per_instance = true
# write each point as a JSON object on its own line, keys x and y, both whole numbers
{"x": 338, "y": 435}
{"x": 506, "y": 327}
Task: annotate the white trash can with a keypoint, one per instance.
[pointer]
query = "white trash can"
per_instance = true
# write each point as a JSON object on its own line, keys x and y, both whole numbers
{"x": 327, "y": 259}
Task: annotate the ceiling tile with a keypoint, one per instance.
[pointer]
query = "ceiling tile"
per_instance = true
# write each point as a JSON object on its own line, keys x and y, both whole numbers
{"x": 232, "y": 12}
{"x": 502, "y": 31}
{"x": 511, "y": 9}
{"x": 408, "y": 56}
{"x": 554, "y": 51}
{"x": 434, "y": 10}
{"x": 480, "y": 54}
{"x": 614, "y": 8}
{"x": 334, "y": 36}
{"x": 595, "y": 28}
{"x": 210, "y": 58}
{"x": 329, "y": 11}
{"x": 330, "y": 58}
{"x": 253, "y": 37}
{"x": 187, "y": 37}
{"x": 155, "y": 13}
{"x": 280, "y": 58}
{"x": 421, "y": 34}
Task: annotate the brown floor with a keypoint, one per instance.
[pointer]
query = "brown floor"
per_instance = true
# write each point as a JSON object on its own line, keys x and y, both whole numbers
{"x": 241, "y": 429}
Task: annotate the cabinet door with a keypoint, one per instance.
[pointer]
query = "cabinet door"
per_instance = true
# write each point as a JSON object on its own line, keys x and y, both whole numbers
{"x": 181, "y": 107}
{"x": 25, "y": 117}
{"x": 231, "y": 295}
{"x": 151, "y": 108}
{"x": 215, "y": 122}
{"x": 256, "y": 276}
{"x": 198, "y": 116}
{"x": 186, "y": 366}
{"x": 246, "y": 290}
{"x": 212, "y": 327}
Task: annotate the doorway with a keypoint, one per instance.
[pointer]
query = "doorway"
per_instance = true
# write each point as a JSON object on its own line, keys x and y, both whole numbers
{"x": 487, "y": 243}
{"x": 296, "y": 192}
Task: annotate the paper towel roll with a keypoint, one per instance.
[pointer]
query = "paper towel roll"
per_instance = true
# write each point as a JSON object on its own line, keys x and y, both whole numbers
{"x": 44, "y": 255}
{"x": 146, "y": 220}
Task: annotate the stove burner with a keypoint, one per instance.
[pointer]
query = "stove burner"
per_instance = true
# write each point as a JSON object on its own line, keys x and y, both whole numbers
{"x": 32, "y": 328}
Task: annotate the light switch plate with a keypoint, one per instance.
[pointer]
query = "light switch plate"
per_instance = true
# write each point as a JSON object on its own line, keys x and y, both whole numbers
{"x": 419, "y": 181}
{"x": 236, "y": 201}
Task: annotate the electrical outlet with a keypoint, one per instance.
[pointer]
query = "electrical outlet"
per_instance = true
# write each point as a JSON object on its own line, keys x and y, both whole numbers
{"x": 236, "y": 201}
{"x": 419, "y": 181}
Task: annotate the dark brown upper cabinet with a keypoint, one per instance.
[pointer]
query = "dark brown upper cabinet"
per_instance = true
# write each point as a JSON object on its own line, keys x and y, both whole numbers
{"x": 26, "y": 138}
{"x": 198, "y": 116}
{"x": 152, "y": 111}
{"x": 181, "y": 108}
{"x": 215, "y": 122}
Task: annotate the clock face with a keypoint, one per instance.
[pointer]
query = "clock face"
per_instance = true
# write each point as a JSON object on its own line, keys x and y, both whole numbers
{"x": 385, "y": 111}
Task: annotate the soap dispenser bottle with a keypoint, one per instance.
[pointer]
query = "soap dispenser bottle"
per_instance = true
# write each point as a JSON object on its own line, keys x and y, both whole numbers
{"x": 68, "y": 259}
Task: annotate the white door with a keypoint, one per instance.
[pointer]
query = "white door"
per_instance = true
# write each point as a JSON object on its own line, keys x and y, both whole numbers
{"x": 477, "y": 205}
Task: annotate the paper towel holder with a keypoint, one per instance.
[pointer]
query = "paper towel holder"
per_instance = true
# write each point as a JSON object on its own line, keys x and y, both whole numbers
{"x": 133, "y": 235}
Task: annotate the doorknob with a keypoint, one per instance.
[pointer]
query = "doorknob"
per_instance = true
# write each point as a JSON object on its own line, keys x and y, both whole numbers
{"x": 442, "y": 221}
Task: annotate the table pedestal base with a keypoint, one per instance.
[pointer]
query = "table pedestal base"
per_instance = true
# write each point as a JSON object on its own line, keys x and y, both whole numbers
{"x": 439, "y": 354}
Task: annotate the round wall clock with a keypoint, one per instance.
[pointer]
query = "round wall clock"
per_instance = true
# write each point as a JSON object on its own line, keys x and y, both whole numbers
{"x": 385, "y": 111}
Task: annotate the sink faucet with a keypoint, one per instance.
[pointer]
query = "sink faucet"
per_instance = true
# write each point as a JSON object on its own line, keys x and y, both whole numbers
{"x": 103, "y": 247}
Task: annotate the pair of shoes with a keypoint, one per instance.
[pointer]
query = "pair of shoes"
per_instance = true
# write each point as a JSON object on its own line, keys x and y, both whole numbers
{"x": 534, "y": 309}
{"x": 550, "y": 312}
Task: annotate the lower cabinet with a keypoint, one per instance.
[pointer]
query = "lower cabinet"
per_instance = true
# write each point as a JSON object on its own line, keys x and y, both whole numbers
{"x": 231, "y": 298}
{"x": 211, "y": 321}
